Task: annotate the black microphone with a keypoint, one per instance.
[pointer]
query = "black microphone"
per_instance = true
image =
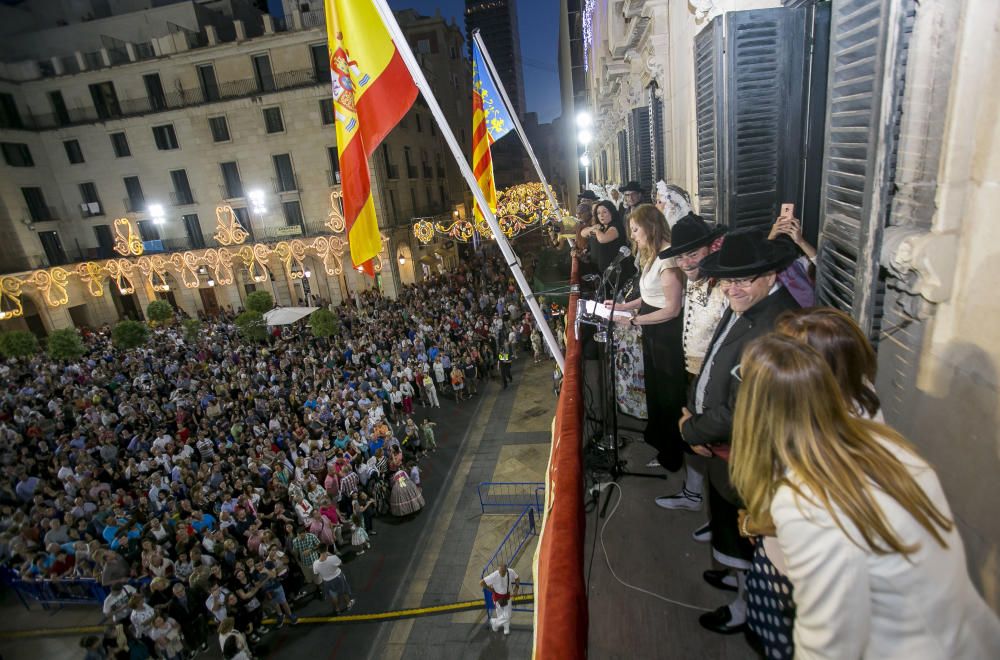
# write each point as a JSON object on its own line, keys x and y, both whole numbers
{"x": 623, "y": 253}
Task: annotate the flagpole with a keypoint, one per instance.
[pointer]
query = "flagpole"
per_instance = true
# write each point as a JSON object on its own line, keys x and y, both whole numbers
{"x": 403, "y": 48}
{"x": 513, "y": 115}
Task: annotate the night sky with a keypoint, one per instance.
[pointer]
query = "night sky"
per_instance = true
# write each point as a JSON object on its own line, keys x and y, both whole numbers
{"x": 539, "y": 23}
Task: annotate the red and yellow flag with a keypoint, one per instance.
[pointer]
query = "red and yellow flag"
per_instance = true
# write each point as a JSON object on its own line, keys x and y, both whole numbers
{"x": 491, "y": 120}
{"x": 372, "y": 90}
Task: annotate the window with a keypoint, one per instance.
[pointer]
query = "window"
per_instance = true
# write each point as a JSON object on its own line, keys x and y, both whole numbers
{"x": 220, "y": 129}
{"x": 120, "y": 144}
{"x": 321, "y": 61}
{"x": 53, "y": 248}
{"x": 326, "y": 111}
{"x": 154, "y": 91}
{"x": 193, "y": 227}
{"x": 9, "y": 116}
{"x": 182, "y": 189}
{"x": 147, "y": 231}
{"x": 105, "y": 242}
{"x": 262, "y": 72}
{"x": 37, "y": 208}
{"x": 334, "y": 157}
{"x": 73, "y": 152}
{"x": 413, "y": 201}
{"x": 272, "y": 120}
{"x": 433, "y": 130}
{"x": 453, "y": 52}
{"x": 394, "y": 206}
{"x": 59, "y": 108}
{"x": 284, "y": 175}
{"x": 231, "y": 180}
{"x": 209, "y": 85}
{"x": 390, "y": 169}
{"x": 423, "y": 46}
{"x": 105, "y": 100}
{"x": 136, "y": 200}
{"x": 293, "y": 214}
{"x": 243, "y": 218}
{"x": 411, "y": 171}
{"x": 165, "y": 137}
{"x": 420, "y": 127}
{"x": 90, "y": 203}
{"x": 17, "y": 154}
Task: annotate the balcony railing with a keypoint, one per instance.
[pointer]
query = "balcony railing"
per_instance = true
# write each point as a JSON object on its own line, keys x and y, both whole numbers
{"x": 182, "y": 198}
{"x": 392, "y": 171}
{"x": 440, "y": 171}
{"x": 333, "y": 178}
{"x": 428, "y": 173}
{"x": 411, "y": 171}
{"x": 134, "y": 205}
{"x": 183, "y": 98}
{"x": 42, "y": 214}
{"x": 91, "y": 209}
{"x": 282, "y": 186}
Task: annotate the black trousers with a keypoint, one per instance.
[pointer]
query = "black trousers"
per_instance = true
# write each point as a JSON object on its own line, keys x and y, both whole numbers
{"x": 666, "y": 388}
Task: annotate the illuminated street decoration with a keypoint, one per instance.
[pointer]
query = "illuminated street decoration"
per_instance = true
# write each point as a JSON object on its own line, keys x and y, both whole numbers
{"x": 220, "y": 263}
{"x": 518, "y": 208}
{"x": 127, "y": 241}
{"x": 228, "y": 230}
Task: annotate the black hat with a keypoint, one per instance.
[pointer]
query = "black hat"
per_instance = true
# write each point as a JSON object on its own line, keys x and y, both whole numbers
{"x": 631, "y": 186}
{"x": 587, "y": 194}
{"x": 690, "y": 233}
{"x": 745, "y": 253}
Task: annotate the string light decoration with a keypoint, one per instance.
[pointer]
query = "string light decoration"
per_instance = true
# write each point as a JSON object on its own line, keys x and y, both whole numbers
{"x": 518, "y": 208}
{"x": 228, "y": 230}
{"x": 588, "y": 30}
{"x": 127, "y": 241}
{"x": 218, "y": 264}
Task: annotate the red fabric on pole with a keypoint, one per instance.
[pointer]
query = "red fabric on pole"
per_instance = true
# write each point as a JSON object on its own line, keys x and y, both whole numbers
{"x": 560, "y": 593}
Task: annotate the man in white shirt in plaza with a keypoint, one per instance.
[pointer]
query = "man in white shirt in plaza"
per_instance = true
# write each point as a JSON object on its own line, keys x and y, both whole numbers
{"x": 333, "y": 583}
{"x": 504, "y": 583}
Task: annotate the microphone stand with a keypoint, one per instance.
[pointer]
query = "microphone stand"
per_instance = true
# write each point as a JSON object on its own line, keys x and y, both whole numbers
{"x": 609, "y": 418}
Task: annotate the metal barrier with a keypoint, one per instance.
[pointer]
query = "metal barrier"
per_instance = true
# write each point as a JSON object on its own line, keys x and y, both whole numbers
{"x": 520, "y": 533}
{"x": 511, "y": 496}
{"x": 82, "y": 591}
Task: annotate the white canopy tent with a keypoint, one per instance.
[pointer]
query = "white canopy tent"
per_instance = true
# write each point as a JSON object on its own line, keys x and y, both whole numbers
{"x": 287, "y": 315}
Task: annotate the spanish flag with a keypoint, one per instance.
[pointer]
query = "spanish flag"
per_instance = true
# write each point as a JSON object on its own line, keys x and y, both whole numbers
{"x": 490, "y": 121}
{"x": 372, "y": 90}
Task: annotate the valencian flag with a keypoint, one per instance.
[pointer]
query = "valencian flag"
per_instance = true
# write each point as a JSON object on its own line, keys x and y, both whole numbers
{"x": 490, "y": 121}
{"x": 372, "y": 90}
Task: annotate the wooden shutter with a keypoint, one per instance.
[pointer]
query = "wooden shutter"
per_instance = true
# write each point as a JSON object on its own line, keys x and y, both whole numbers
{"x": 867, "y": 46}
{"x": 708, "y": 100}
{"x": 623, "y": 171}
{"x": 657, "y": 144}
{"x": 764, "y": 95}
{"x": 640, "y": 152}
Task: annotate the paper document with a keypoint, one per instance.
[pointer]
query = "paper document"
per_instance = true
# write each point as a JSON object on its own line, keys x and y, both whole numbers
{"x": 596, "y": 308}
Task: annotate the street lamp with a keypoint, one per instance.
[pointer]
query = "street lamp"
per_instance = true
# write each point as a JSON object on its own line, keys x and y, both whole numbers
{"x": 585, "y": 161}
{"x": 258, "y": 201}
{"x": 584, "y": 120}
{"x": 157, "y": 213}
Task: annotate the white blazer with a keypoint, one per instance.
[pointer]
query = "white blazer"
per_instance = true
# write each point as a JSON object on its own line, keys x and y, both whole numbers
{"x": 852, "y": 603}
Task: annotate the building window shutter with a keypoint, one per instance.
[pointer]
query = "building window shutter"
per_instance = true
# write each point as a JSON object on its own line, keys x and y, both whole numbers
{"x": 640, "y": 153}
{"x": 708, "y": 110}
{"x": 868, "y": 41}
{"x": 623, "y": 156}
{"x": 657, "y": 143}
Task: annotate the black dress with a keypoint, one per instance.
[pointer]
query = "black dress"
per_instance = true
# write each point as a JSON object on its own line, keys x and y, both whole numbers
{"x": 602, "y": 254}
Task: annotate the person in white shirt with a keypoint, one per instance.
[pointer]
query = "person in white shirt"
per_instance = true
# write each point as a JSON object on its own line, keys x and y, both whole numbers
{"x": 868, "y": 539}
{"x": 333, "y": 582}
{"x": 504, "y": 583}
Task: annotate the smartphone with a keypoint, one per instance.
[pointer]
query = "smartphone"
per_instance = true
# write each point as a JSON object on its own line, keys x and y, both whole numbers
{"x": 787, "y": 211}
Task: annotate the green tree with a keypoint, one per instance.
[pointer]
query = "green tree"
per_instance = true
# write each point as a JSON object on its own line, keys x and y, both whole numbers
{"x": 65, "y": 344}
{"x": 192, "y": 328}
{"x": 129, "y": 334}
{"x": 259, "y": 301}
{"x": 18, "y": 343}
{"x": 160, "y": 311}
{"x": 251, "y": 326}
{"x": 323, "y": 323}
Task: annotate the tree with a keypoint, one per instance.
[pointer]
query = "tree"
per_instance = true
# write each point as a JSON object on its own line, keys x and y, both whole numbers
{"x": 259, "y": 301}
{"x": 129, "y": 334}
{"x": 65, "y": 344}
{"x": 323, "y": 323}
{"x": 192, "y": 328}
{"x": 18, "y": 343}
{"x": 251, "y": 326}
{"x": 160, "y": 311}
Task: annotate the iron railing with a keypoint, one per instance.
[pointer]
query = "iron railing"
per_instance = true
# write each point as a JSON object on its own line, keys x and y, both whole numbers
{"x": 501, "y": 497}
{"x": 520, "y": 534}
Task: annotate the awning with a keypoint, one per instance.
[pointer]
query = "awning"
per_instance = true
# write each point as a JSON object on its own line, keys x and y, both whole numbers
{"x": 287, "y": 315}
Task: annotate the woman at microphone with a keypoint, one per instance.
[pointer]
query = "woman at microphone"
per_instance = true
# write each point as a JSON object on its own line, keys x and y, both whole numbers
{"x": 659, "y": 306}
{"x": 605, "y": 238}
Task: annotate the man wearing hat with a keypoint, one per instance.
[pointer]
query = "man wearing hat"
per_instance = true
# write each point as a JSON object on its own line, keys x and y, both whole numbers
{"x": 746, "y": 268}
{"x": 632, "y": 194}
{"x": 704, "y": 304}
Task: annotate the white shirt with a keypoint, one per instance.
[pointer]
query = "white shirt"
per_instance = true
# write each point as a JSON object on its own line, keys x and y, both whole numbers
{"x": 853, "y": 603}
{"x": 501, "y": 584}
{"x": 328, "y": 569}
{"x": 650, "y": 287}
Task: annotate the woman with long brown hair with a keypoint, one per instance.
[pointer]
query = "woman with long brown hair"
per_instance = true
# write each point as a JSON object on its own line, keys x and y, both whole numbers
{"x": 658, "y": 308}
{"x": 863, "y": 523}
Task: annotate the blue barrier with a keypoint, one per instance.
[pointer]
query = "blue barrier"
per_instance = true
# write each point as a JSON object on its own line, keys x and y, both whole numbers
{"x": 76, "y": 591}
{"x": 520, "y": 533}
{"x": 511, "y": 496}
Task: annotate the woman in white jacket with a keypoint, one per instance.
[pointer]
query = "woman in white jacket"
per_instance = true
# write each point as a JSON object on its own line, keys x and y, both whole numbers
{"x": 877, "y": 565}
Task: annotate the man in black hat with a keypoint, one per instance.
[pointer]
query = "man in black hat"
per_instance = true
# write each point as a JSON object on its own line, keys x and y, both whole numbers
{"x": 632, "y": 194}
{"x": 746, "y": 268}
{"x": 704, "y": 305}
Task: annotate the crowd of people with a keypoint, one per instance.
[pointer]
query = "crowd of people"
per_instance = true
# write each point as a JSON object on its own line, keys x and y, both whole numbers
{"x": 209, "y": 484}
{"x": 833, "y": 533}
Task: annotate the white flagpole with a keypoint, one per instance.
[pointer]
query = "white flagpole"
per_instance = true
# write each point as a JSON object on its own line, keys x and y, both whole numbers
{"x": 513, "y": 115}
{"x": 403, "y": 46}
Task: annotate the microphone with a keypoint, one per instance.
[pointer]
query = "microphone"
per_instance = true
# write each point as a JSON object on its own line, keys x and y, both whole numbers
{"x": 591, "y": 278}
{"x": 623, "y": 253}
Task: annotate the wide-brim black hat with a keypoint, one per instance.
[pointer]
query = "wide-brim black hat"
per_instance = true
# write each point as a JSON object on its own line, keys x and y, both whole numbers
{"x": 745, "y": 253}
{"x": 690, "y": 233}
{"x": 631, "y": 186}
{"x": 587, "y": 194}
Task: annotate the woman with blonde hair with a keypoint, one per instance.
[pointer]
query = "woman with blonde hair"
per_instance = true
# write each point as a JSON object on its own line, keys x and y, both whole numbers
{"x": 863, "y": 524}
{"x": 658, "y": 316}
